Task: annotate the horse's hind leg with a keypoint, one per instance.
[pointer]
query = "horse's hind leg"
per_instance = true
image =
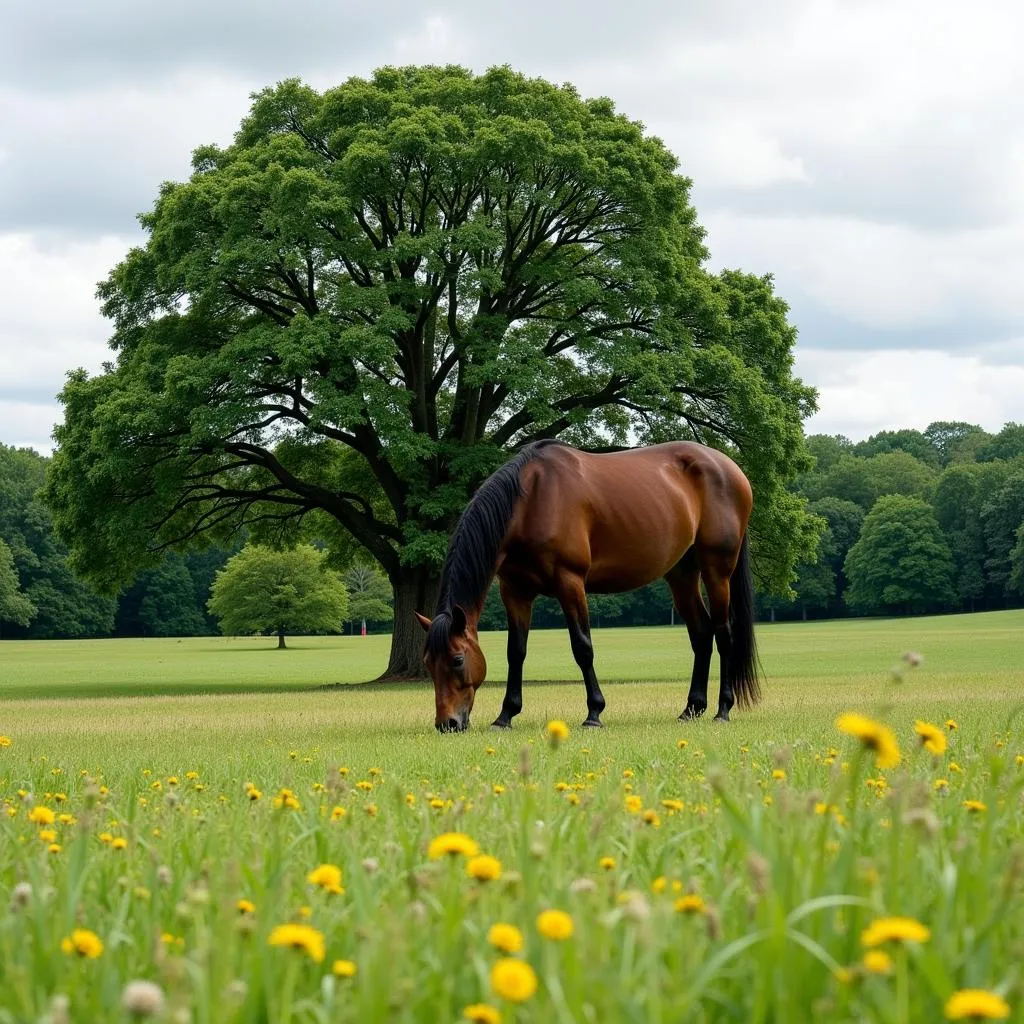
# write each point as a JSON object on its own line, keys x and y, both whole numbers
{"x": 684, "y": 582}
{"x": 519, "y": 610}
{"x": 717, "y": 568}
{"x": 572, "y": 596}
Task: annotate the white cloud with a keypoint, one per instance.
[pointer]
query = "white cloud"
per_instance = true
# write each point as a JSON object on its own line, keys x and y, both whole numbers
{"x": 864, "y": 392}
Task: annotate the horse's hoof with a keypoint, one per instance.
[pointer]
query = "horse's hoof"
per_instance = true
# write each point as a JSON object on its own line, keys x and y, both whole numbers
{"x": 721, "y": 718}
{"x": 593, "y": 723}
{"x": 692, "y": 711}
{"x": 499, "y": 723}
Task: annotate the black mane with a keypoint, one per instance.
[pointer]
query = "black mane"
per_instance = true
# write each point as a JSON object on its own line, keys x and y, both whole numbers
{"x": 475, "y": 542}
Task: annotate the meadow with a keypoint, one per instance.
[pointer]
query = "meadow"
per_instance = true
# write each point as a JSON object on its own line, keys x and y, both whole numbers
{"x": 261, "y": 841}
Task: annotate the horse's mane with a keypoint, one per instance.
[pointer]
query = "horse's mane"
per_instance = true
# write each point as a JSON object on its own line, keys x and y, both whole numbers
{"x": 475, "y": 543}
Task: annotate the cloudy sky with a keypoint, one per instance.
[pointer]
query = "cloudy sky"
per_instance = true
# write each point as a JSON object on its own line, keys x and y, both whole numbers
{"x": 869, "y": 153}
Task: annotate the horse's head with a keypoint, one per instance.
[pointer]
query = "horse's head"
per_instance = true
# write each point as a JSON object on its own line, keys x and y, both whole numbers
{"x": 456, "y": 664}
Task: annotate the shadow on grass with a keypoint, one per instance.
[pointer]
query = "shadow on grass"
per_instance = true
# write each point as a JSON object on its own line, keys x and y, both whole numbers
{"x": 107, "y": 690}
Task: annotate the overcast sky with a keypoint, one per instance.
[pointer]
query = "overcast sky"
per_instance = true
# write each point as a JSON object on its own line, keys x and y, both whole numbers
{"x": 869, "y": 154}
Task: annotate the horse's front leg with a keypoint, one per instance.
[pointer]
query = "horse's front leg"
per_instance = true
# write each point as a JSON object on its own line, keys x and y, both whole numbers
{"x": 519, "y": 611}
{"x": 572, "y": 596}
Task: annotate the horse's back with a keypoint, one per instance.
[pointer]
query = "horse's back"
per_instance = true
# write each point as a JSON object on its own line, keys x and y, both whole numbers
{"x": 624, "y": 518}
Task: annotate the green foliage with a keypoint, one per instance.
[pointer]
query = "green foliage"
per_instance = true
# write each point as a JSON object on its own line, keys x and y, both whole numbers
{"x": 954, "y": 439}
{"x": 15, "y": 607}
{"x": 261, "y": 590}
{"x": 864, "y": 480}
{"x": 369, "y": 594}
{"x": 169, "y": 606}
{"x": 1001, "y": 516}
{"x": 1016, "y": 583}
{"x": 65, "y": 605}
{"x": 901, "y": 562}
{"x": 425, "y": 270}
{"x": 1006, "y": 445}
{"x": 913, "y": 442}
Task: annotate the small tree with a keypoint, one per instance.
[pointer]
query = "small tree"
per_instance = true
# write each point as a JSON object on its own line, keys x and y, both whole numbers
{"x": 369, "y": 594}
{"x": 901, "y": 562}
{"x": 15, "y": 607}
{"x": 265, "y": 591}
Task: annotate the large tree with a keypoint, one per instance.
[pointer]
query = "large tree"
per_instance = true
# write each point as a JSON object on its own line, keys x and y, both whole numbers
{"x": 364, "y": 303}
{"x": 261, "y": 590}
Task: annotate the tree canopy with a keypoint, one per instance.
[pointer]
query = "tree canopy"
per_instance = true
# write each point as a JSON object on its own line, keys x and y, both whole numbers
{"x": 901, "y": 561}
{"x": 261, "y": 590}
{"x": 398, "y": 281}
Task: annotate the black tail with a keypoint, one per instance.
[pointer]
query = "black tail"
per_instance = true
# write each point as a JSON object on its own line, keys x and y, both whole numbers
{"x": 743, "y": 662}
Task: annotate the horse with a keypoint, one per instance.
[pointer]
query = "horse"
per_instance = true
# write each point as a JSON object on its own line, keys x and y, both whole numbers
{"x": 561, "y": 522}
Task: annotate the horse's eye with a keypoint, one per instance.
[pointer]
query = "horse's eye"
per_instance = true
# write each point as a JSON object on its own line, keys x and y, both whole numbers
{"x": 458, "y": 661}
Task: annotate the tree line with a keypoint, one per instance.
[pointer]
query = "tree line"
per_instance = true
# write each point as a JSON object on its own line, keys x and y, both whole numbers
{"x": 42, "y": 599}
{"x": 915, "y": 522}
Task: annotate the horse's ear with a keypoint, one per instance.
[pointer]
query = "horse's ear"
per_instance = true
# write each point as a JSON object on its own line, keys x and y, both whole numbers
{"x": 423, "y": 621}
{"x": 458, "y": 620}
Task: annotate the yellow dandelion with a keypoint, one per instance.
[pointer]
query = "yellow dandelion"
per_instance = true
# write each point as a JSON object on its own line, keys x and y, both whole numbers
{"x": 47, "y": 835}
{"x": 365, "y": 785}
{"x": 337, "y": 813}
{"x": 245, "y": 907}
{"x": 488, "y": 751}
{"x": 651, "y": 818}
{"x": 691, "y": 903}
{"x": 497, "y": 789}
{"x": 344, "y": 969}
{"x": 41, "y": 816}
{"x": 371, "y": 810}
{"x": 84, "y": 943}
{"x": 874, "y": 736}
{"x": 779, "y": 775}
{"x": 975, "y": 806}
{"x": 673, "y": 806}
{"x": 894, "y": 929}
{"x": 877, "y": 961}
{"x": 299, "y": 936}
{"x": 253, "y": 793}
{"x": 505, "y": 937}
{"x": 933, "y": 739}
{"x": 627, "y": 773}
{"x": 119, "y": 843}
{"x": 951, "y": 724}
{"x": 66, "y": 819}
{"x": 683, "y": 744}
{"x": 513, "y": 980}
{"x": 343, "y": 771}
{"x": 606, "y": 863}
{"x": 557, "y": 731}
{"x": 436, "y": 804}
{"x": 940, "y": 785}
{"x": 286, "y": 800}
{"x": 955, "y": 768}
{"x": 634, "y": 804}
{"x": 5, "y": 741}
{"x": 555, "y": 924}
{"x": 482, "y": 1013}
{"x": 327, "y": 877}
{"x": 53, "y": 848}
{"x": 484, "y": 868}
{"x": 976, "y": 1004}
{"x": 452, "y": 844}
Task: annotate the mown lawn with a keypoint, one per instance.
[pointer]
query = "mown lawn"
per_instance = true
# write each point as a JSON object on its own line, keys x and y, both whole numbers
{"x": 788, "y": 836}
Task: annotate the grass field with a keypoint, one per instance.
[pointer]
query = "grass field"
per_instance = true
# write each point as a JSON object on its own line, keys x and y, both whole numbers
{"x": 789, "y": 838}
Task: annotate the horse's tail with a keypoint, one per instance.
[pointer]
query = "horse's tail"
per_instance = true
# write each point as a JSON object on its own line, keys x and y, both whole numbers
{"x": 743, "y": 660}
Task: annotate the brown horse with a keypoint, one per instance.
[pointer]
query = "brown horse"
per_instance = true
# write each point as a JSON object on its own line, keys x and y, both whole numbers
{"x": 561, "y": 522}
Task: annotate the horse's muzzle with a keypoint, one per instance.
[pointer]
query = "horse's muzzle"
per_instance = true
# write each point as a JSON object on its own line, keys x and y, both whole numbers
{"x": 459, "y": 723}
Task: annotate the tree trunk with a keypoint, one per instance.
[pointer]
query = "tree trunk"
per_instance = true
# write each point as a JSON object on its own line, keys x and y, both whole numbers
{"x": 280, "y": 640}
{"x": 415, "y": 590}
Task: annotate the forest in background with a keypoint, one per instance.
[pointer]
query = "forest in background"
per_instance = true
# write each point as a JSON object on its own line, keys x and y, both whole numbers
{"x": 917, "y": 522}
